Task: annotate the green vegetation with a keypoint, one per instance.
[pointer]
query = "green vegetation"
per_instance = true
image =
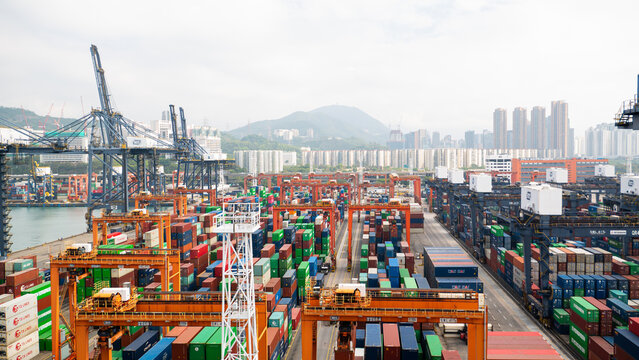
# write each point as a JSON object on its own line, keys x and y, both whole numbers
{"x": 20, "y": 117}
{"x": 252, "y": 142}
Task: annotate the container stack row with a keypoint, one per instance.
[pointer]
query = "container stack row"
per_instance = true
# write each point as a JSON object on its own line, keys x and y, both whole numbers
{"x": 451, "y": 268}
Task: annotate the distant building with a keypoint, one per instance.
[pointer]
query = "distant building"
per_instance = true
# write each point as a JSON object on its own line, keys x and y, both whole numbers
{"x": 560, "y": 126}
{"x": 578, "y": 169}
{"x": 435, "y": 142}
{"x": 537, "y": 127}
{"x": 263, "y": 161}
{"x": 520, "y": 124}
{"x": 286, "y": 134}
{"x": 500, "y": 128}
{"x": 469, "y": 139}
{"x": 499, "y": 162}
{"x": 395, "y": 141}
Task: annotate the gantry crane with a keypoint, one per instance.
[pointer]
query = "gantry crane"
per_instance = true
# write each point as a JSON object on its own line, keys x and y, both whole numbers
{"x": 365, "y": 185}
{"x": 387, "y": 206}
{"x": 399, "y": 305}
{"x": 211, "y": 193}
{"x": 417, "y": 185}
{"x": 100, "y": 226}
{"x": 332, "y": 212}
{"x": 166, "y": 261}
{"x": 178, "y": 200}
{"x": 313, "y": 185}
{"x": 172, "y": 309}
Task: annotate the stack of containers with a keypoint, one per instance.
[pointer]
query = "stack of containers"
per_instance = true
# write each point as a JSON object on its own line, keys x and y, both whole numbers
{"x": 303, "y": 275}
{"x": 450, "y": 268}
{"x": 626, "y": 342}
{"x": 285, "y": 259}
{"x": 621, "y": 312}
{"x": 584, "y": 322}
{"x": 199, "y": 257}
{"x": 605, "y": 316}
{"x": 373, "y": 341}
{"x": 410, "y": 348}
{"x": 151, "y": 239}
{"x": 187, "y": 277}
{"x": 416, "y": 216}
{"x": 43, "y": 294}
{"x": 19, "y": 320}
{"x": 182, "y": 239}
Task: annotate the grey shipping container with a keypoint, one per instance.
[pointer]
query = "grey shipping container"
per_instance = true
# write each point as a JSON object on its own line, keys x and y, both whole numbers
{"x": 141, "y": 345}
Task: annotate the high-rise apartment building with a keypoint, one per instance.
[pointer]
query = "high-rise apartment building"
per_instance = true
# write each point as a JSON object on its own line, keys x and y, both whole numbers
{"x": 560, "y": 126}
{"x": 520, "y": 123}
{"x": 469, "y": 139}
{"x": 537, "y": 127}
{"x": 435, "y": 142}
{"x": 500, "y": 129}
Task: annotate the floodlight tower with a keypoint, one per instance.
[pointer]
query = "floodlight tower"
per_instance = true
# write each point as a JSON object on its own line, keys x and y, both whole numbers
{"x": 238, "y": 221}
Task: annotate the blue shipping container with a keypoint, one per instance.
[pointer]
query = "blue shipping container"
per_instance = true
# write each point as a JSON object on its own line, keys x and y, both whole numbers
{"x": 373, "y": 342}
{"x": 161, "y": 350}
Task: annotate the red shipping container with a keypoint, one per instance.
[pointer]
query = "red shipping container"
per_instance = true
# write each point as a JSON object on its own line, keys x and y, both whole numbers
{"x": 185, "y": 270}
{"x": 392, "y": 346}
{"x": 18, "y": 289}
{"x": 272, "y": 338}
{"x": 270, "y": 302}
{"x": 44, "y": 303}
{"x": 288, "y": 291}
{"x": 268, "y": 250}
{"x": 605, "y": 313}
{"x": 152, "y": 286}
{"x": 176, "y": 331}
{"x": 180, "y": 346}
{"x": 296, "y": 316}
{"x": 600, "y": 348}
{"x": 633, "y": 325}
{"x": 285, "y": 251}
{"x": 217, "y": 271}
{"x": 21, "y": 277}
{"x": 199, "y": 251}
{"x": 281, "y": 308}
{"x": 450, "y": 355}
{"x": 273, "y": 285}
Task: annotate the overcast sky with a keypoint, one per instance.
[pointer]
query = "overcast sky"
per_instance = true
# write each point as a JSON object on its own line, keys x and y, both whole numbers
{"x": 439, "y": 65}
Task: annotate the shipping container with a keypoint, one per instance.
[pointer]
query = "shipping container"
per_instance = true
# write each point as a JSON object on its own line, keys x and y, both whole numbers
{"x": 160, "y": 351}
{"x": 373, "y": 342}
{"x": 180, "y": 347}
{"x": 410, "y": 349}
{"x": 392, "y": 345}
{"x": 141, "y": 345}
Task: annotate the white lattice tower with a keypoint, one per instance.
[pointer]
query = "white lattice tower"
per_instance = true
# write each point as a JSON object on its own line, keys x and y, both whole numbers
{"x": 238, "y": 221}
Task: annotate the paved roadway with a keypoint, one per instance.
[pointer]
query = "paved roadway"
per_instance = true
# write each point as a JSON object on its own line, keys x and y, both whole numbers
{"x": 503, "y": 313}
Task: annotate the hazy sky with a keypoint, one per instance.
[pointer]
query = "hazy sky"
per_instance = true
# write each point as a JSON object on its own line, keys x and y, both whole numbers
{"x": 440, "y": 65}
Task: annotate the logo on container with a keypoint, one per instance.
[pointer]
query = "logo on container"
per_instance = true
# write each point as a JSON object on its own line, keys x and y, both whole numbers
{"x": 18, "y": 346}
{"x": 528, "y": 195}
{"x": 631, "y": 182}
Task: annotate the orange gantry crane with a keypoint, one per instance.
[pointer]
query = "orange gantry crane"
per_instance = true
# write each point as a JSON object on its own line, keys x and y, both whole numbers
{"x": 179, "y": 201}
{"x": 78, "y": 189}
{"x": 178, "y": 309}
{"x": 334, "y": 184}
{"x": 387, "y": 206}
{"x": 166, "y": 261}
{"x": 417, "y": 185}
{"x": 399, "y": 305}
{"x": 375, "y": 176}
{"x": 313, "y": 185}
{"x": 335, "y": 176}
{"x": 101, "y": 224}
{"x": 332, "y": 212}
{"x": 366, "y": 185}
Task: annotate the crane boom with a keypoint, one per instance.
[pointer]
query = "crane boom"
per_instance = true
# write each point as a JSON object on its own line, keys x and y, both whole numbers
{"x": 183, "y": 122}
{"x": 101, "y": 81}
{"x": 173, "y": 124}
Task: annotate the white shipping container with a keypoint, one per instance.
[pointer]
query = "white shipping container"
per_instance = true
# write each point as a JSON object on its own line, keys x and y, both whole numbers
{"x": 541, "y": 199}
{"x": 441, "y": 172}
{"x": 30, "y": 353}
{"x": 456, "y": 176}
{"x": 630, "y": 184}
{"x": 605, "y": 170}
{"x": 5, "y": 297}
{"x": 557, "y": 175}
{"x": 8, "y": 351}
{"x": 481, "y": 183}
{"x": 361, "y": 287}
{"x": 17, "y": 306}
{"x": 151, "y": 235}
{"x": 12, "y": 336}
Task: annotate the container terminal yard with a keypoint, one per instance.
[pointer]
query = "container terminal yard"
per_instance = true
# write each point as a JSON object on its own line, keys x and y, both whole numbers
{"x": 340, "y": 265}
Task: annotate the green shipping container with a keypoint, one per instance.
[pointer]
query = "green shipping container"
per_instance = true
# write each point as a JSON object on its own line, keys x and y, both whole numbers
{"x": 277, "y": 235}
{"x": 578, "y": 340}
{"x": 584, "y": 309}
{"x": 197, "y": 347}
{"x": 434, "y": 346}
{"x": 561, "y": 316}
{"x": 579, "y": 292}
{"x": 214, "y": 346}
{"x": 276, "y": 319}
{"x": 363, "y": 264}
{"x": 620, "y": 295}
{"x": 364, "y": 251}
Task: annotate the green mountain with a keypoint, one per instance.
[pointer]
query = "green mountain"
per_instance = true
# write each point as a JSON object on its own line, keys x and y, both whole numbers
{"x": 328, "y": 122}
{"x": 21, "y": 118}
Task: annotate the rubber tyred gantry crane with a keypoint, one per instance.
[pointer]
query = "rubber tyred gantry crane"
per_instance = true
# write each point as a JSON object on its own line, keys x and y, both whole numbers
{"x": 332, "y": 211}
{"x": 179, "y": 201}
{"x": 101, "y": 224}
{"x": 387, "y": 206}
{"x": 398, "y": 305}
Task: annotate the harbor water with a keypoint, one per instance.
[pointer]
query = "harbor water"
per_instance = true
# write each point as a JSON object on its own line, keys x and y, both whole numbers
{"x": 35, "y": 226}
